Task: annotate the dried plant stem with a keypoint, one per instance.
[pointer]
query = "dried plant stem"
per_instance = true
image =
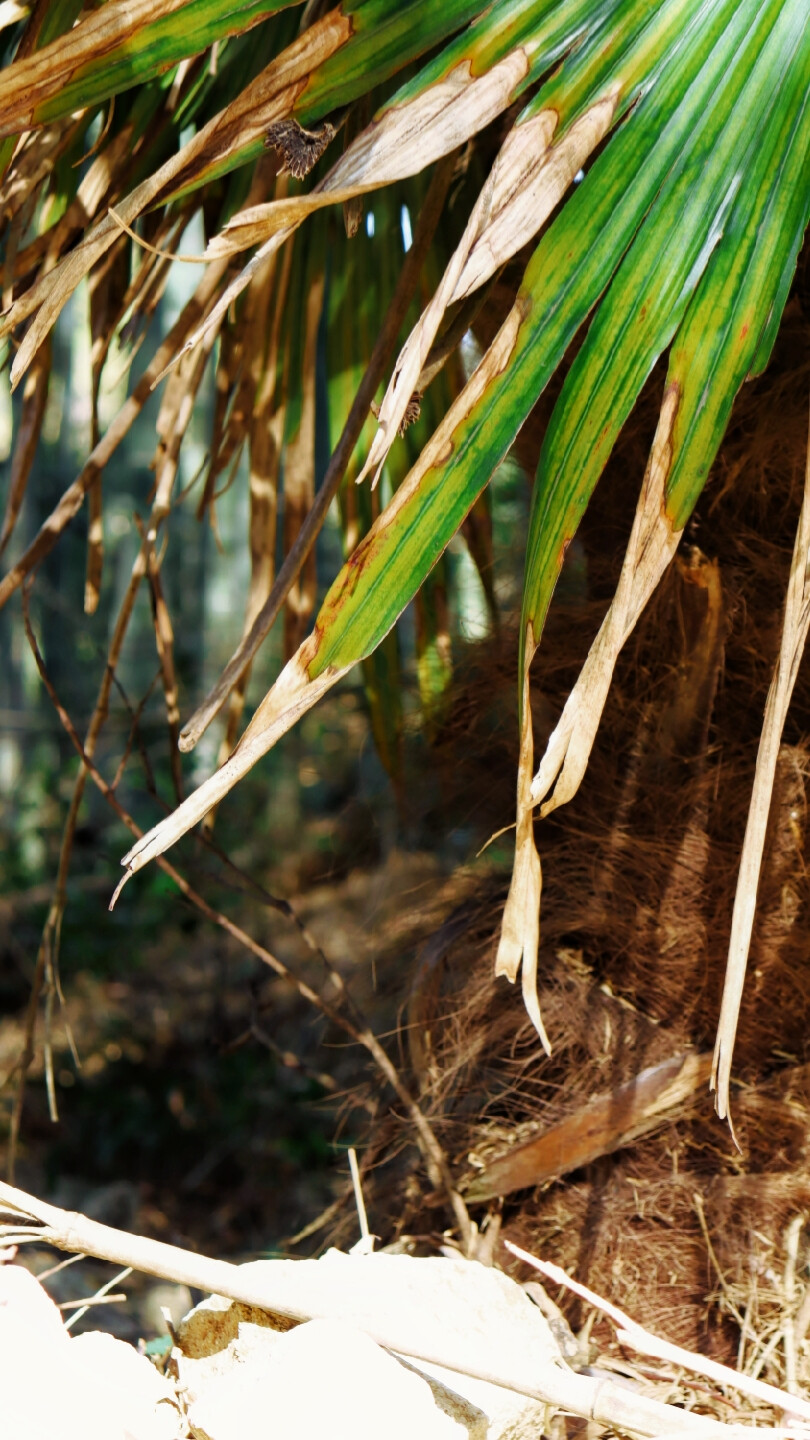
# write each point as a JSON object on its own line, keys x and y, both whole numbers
{"x": 357, "y": 1187}
{"x": 357, "y": 1029}
{"x": 630, "y": 1333}
{"x": 72, "y": 499}
{"x": 700, "y": 1211}
{"x": 792, "y": 1235}
{"x": 23, "y": 1064}
{"x": 48, "y": 953}
{"x": 164, "y": 643}
{"x": 293, "y": 1289}
{"x": 794, "y": 635}
{"x": 101, "y": 1297}
{"x": 310, "y": 529}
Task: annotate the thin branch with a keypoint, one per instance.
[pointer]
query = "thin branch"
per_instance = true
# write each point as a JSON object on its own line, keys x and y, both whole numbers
{"x": 435, "y": 1160}
{"x": 103, "y": 1296}
{"x": 629, "y": 1332}
{"x": 306, "y": 1290}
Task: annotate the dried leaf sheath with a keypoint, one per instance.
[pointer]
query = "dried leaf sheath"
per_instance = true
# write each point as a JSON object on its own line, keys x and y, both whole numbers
{"x": 607, "y": 1123}
{"x": 35, "y": 396}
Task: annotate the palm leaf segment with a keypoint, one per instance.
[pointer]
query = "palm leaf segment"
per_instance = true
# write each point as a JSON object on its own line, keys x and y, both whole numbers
{"x": 683, "y": 235}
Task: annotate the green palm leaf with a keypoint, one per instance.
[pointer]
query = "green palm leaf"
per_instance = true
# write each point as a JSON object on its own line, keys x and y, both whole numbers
{"x": 114, "y": 48}
{"x": 681, "y": 237}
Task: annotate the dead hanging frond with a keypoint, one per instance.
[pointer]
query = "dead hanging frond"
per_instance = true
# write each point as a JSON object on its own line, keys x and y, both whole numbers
{"x": 307, "y": 290}
{"x": 652, "y": 545}
{"x": 794, "y": 635}
{"x": 72, "y": 499}
{"x": 35, "y": 397}
{"x": 406, "y": 288}
{"x": 243, "y": 122}
{"x": 520, "y": 931}
{"x": 653, "y": 542}
{"x": 529, "y": 177}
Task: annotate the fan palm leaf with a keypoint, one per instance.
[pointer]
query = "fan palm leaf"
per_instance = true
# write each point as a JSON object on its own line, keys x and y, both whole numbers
{"x": 691, "y": 121}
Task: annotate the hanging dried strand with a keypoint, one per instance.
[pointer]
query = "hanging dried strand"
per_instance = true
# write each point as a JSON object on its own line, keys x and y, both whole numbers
{"x": 386, "y": 340}
{"x": 794, "y": 635}
{"x": 35, "y": 397}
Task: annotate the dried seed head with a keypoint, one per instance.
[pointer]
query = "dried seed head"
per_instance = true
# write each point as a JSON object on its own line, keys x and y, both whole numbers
{"x": 413, "y": 410}
{"x": 298, "y": 149}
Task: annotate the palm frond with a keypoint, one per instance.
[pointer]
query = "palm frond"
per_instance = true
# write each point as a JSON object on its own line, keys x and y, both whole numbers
{"x": 657, "y": 156}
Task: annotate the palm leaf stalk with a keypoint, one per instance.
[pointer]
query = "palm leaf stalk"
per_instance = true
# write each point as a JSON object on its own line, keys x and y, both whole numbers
{"x": 691, "y": 122}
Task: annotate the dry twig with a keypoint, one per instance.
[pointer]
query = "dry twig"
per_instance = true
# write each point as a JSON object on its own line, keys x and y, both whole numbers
{"x": 629, "y": 1332}
{"x": 293, "y": 1289}
{"x": 356, "y": 1027}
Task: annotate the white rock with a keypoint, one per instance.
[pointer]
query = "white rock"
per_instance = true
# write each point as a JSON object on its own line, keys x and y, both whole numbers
{"x": 323, "y": 1379}
{"x": 218, "y": 1336}
{"x": 441, "y": 1304}
{"x": 27, "y": 1313}
{"x": 90, "y": 1388}
{"x": 128, "y": 1386}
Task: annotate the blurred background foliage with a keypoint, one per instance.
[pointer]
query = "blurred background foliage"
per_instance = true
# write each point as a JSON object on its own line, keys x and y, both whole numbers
{"x": 163, "y": 1101}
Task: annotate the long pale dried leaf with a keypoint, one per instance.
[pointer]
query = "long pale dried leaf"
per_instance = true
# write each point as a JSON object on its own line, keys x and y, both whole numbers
{"x": 520, "y": 927}
{"x": 398, "y": 143}
{"x": 529, "y": 178}
{"x": 246, "y": 119}
{"x": 652, "y": 544}
{"x": 794, "y": 635}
